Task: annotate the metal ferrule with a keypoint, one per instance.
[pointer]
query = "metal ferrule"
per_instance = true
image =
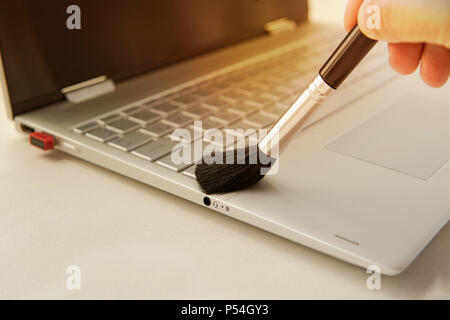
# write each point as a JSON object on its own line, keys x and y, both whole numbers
{"x": 293, "y": 119}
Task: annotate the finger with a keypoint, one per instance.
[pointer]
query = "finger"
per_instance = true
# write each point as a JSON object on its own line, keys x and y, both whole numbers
{"x": 406, "y": 20}
{"x": 435, "y": 66}
{"x": 351, "y": 13}
{"x": 405, "y": 57}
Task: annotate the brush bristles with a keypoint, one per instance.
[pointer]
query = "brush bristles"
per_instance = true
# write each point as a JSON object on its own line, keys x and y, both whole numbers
{"x": 232, "y": 170}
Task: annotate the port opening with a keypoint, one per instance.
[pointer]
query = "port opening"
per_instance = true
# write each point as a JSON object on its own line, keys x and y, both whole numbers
{"x": 26, "y": 128}
{"x": 207, "y": 201}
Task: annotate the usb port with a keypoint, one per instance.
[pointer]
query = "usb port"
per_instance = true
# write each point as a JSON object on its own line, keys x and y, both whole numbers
{"x": 26, "y": 128}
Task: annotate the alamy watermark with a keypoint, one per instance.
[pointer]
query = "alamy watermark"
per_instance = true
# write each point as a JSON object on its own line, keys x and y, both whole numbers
{"x": 374, "y": 280}
{"x": 73, "y": 22}
{"x": 374, "y": 17}
{"x": 73, "y": 281}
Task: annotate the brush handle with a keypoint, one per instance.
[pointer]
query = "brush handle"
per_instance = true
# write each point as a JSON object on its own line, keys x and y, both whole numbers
{"x": 341, "y": 63}
{"x": 346, "y": 57}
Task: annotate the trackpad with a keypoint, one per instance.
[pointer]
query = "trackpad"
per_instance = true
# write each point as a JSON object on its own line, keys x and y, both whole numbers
{"x": 412, "y": 136}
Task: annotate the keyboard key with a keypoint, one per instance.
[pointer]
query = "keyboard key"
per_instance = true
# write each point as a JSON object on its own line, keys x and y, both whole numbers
{"x": 243, "y": 130}
{"x": 122, "y": 126}
{"x": 108, "y": 119}
{"x": 286, "y": 89}
{"x": 86, "y": 127}
{"x": 209, "y": 85}
{"x": 273, "y": 111}
{"x": 259, "y": 120}
{"x": 225, "y": 117}
{"x": 252, "y": 89}
{"x": 203, "y": 92}
{"x": 241, "y": 125}
{"x": 157, "y": 129}
{"x": 144, "y": 117}
{"x": 221, "y": 140}
{"x": 101, "y": 134}
{"x": 275, "y": 94}
{"x": 222, "y": 84}
{"x": 168, "y": 163}
{"x": 208, "y": 124}
{"x": 178, "y": 120}
{"x": 215, "y": 104}
{"x": 149, "y": 103}
{"x": 232, "y": 96}
{"x": 287, "y": 102}
{"x": 197, "y": 112}
{"x": 165, "y": 108}
{"x": 285, "y": 73}
{"x": 190, "y": 172}
{"x": 192, "y": 157}
{"x": 183, "y": 161}
{"x": 155, "y": 150}
{"x": 243, "y": 109}
{"x": 130, "y": 141}
{"x": 258, "y": 102}
{"x": 184, "y": 100}
{"x": 131, "y": 110}
{"x": 265, "y": 81}
{"x": 189, "y": 137}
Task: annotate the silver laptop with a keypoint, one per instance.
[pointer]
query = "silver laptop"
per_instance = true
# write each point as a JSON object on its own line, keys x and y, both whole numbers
{"x": 109, "y": 81}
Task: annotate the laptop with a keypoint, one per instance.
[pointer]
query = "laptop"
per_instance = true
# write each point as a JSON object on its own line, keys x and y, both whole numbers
{"x": 110, "y": 82}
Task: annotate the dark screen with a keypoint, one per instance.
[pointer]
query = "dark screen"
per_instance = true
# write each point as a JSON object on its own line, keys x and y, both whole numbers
{"x": 119, "y": 39}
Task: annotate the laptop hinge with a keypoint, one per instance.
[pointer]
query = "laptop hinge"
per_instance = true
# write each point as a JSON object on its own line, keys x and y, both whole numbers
{"x": 280, "y": 26}
{"x": 89, "y": 89}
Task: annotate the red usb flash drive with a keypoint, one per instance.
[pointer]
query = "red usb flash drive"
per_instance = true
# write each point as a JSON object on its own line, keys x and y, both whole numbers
{"x": 42, "y": 140}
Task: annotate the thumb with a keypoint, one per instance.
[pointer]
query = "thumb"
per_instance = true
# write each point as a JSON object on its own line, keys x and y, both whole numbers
{"x": 406, "y": 20}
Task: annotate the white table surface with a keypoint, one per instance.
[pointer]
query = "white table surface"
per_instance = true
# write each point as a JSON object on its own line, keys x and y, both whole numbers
{"x": 134, "y": 241}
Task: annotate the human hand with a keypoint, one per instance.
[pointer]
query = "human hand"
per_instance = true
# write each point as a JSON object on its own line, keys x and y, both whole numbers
{"x": 418, "y": 31}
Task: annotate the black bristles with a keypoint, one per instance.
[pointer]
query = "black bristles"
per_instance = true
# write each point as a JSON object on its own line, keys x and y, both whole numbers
{"x": 247, "y": 167}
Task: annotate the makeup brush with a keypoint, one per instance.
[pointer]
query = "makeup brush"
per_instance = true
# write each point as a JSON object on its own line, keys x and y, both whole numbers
{"x": 249, "y": 165}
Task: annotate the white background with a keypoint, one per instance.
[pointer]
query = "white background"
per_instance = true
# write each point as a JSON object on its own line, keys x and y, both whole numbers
{"x": 133, "y": 241}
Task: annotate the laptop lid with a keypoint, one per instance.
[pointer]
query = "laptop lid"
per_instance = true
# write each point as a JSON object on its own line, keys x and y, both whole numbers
{"x": 43, "y": 51}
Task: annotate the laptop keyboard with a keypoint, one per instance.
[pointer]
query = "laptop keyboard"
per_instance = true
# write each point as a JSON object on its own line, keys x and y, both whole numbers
{"x": 254, "y": 96}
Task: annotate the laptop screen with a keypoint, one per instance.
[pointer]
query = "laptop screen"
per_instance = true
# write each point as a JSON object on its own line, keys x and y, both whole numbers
{"x": 48, "y": 45}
